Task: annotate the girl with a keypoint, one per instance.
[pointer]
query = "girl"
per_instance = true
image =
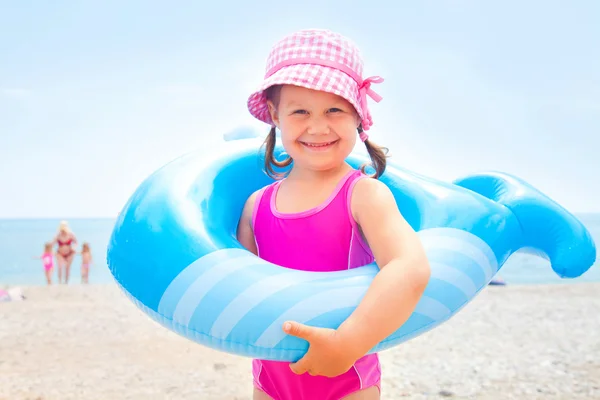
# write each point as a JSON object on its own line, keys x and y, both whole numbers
{"x": 65, "y": 239}
{"x": 324, "y": 213}
{"x": 48, "y": 260}
{"x": 86, "y": 261}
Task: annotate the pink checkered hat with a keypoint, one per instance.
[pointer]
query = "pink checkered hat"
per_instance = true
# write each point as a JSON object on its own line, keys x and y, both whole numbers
{"x": 319, "y": 60}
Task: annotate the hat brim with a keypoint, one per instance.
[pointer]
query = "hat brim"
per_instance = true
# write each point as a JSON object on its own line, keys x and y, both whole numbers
{"x": 310, "y": 76}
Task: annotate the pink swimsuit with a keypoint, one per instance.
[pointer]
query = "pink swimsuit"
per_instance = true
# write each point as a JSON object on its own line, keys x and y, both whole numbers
{"x": 48, "y": 261}
{"x": 335, "y": 243}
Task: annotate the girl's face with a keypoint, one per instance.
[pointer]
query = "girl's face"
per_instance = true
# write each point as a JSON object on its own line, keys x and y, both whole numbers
{"x": 318, "y": 129}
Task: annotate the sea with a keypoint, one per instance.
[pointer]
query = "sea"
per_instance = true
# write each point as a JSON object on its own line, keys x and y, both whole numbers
{"x": 21, "y": 240}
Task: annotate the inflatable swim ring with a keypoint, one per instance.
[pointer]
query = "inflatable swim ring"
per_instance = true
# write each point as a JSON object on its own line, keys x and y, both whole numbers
{"x": 174, "y": 252}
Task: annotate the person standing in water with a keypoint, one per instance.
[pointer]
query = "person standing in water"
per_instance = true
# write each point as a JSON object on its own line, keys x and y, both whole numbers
{"x": 86, "y": 262}
{"x": 66, "y": 240}
{"x": 47, "y": 258}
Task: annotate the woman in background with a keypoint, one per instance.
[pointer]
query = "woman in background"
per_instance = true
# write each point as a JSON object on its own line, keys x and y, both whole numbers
{"x": 65, "y": 240}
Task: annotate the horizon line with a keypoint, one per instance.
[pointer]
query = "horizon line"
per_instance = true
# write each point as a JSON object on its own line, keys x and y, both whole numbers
{"x": 21, "y": 218}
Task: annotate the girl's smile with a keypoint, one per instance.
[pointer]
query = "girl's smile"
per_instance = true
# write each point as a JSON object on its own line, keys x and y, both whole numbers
{"x": 319, "y": 146}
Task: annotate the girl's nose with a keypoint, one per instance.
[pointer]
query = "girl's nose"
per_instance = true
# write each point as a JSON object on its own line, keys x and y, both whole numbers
{"x": 318, "y": 126}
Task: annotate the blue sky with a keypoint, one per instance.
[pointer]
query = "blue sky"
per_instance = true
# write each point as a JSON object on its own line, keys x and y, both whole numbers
{"x": 95, "y": 96}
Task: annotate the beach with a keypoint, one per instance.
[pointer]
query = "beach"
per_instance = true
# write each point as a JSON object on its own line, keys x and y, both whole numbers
{"x": 91, "y": 342}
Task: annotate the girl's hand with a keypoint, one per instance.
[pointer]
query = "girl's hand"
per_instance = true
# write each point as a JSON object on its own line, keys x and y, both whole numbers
{"x": 328, "y": 355}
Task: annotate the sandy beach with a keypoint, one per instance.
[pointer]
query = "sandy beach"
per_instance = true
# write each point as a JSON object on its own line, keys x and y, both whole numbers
{"x": 90, "y": 342}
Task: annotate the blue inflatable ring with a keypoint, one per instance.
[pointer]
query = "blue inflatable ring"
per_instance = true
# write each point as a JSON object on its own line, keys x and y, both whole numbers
{"x": 174, "y": 252}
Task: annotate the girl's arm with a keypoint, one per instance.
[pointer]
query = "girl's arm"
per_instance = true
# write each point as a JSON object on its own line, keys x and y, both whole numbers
{"x": 245, "y": 234}
{"x": 404, "y": 269}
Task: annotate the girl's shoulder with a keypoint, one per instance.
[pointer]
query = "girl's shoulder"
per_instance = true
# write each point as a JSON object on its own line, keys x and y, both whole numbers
{"x": 251, "y": 200}
{"x": 366, "y": 184}
{"x": 367, "y": 193}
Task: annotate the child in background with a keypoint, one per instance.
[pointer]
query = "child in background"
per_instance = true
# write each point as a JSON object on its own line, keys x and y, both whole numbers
{"x": 324, "y": 215}
{"x": 86, "y": 262}
{"x": 48, "y": 261}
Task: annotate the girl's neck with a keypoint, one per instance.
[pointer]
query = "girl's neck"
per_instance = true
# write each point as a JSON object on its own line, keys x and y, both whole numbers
{"x": 306, "y": 175}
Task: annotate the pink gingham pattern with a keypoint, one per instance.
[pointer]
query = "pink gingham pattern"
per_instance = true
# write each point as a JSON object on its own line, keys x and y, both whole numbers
{"x": 319, "y": 60}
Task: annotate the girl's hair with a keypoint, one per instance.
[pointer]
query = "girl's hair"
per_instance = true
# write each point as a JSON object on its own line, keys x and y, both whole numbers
{"x": 85, "y": 247}
{"x": 377, "y": 153}
{"x": 47, "y": 246}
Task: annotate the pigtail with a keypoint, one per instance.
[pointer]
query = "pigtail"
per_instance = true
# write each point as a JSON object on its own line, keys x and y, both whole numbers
{"x": 378, "y": 155}
{"x": 270, "y": 160}
{"x": 273, "y": 93}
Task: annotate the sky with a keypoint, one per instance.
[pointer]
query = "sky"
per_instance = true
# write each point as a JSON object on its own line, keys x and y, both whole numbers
{"x": 95, "y": 96}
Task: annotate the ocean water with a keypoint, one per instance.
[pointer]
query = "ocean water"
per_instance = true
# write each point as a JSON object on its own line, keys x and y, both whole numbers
{"x": 23, "y": 239}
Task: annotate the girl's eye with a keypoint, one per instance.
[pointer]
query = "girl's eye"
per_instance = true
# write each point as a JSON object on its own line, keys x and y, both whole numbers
{"x": 299, "y": 112}
{"x": 335, "y": 110}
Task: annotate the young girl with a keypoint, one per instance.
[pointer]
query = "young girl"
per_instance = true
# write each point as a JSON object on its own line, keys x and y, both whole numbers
{"x": 86, "y": 261}
{"x": 48, "y": 261}
{"x": 323, "y": 215}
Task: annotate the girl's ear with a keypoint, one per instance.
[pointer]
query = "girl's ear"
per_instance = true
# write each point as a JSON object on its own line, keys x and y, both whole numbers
{"x": 273, "y": 112}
